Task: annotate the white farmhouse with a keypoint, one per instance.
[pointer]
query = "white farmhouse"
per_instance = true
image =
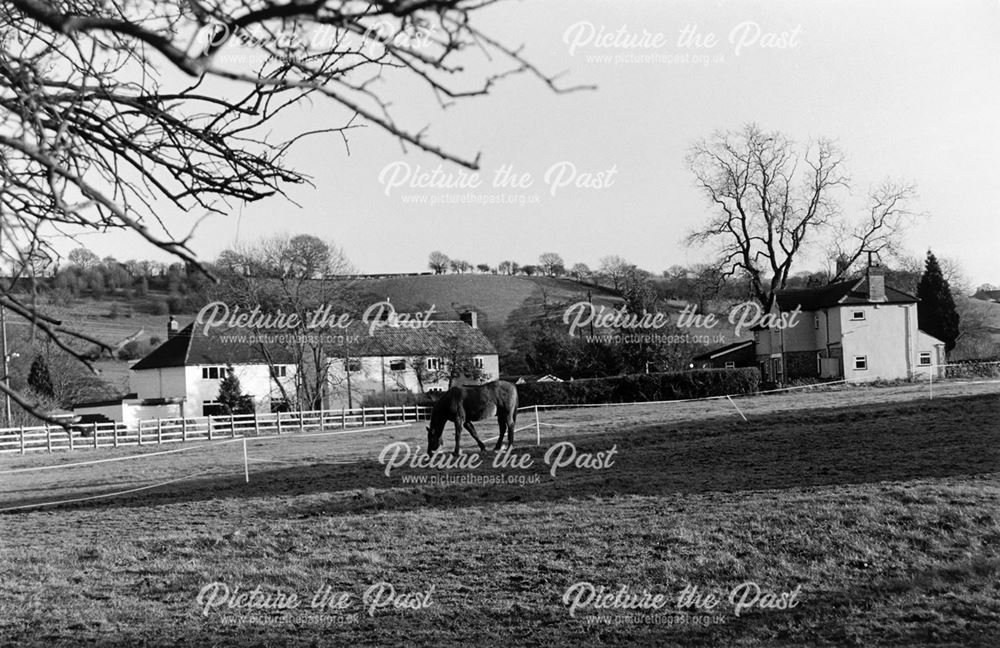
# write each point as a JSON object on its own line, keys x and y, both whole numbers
{"x": 859, "y": 330}
{"x": 190, "y": 365}
{"x": 399, "y": 359}
{"x": 181, "y": 377}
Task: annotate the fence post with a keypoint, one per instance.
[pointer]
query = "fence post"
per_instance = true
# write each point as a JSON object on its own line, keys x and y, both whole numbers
{"x": 114, "y": 431}
{"x": 208, "y": 422}
{"x": 930, "y": 382}
{"x": 48, "y": 437}
{"x": 538, "y": 428}
{"x": 95, "y": 434}
{"x": 22, "y": 439}
{"x": 140, "y": 431}
{"x": 343, "y": 418}
{"x": 159, "y": 431}
{"x": 302, "y": 421}
{"x": 69, "y": 433}
{"x": 385, "y": 414}
{"x": 256, "y": 424}
{"x": 279, "y": 422}
{"x": 363, "y": 417}
{"x": 184, "y": 429}
{"x": 232, "y": 426}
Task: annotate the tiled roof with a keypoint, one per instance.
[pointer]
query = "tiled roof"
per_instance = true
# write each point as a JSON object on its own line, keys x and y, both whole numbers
{"x": 854, "y": 291}
{"x": 435, "y": 339}
{"x": 191, "y": 347}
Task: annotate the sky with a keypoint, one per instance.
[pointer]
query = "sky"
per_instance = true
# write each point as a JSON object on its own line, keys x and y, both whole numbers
{"x": 910, "y": 90}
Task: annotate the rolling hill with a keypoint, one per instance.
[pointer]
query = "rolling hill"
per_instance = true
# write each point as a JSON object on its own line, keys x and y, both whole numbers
{"x": 501, "y": 300}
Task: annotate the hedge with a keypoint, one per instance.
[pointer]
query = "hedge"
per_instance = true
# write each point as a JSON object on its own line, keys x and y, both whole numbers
{"x": 697, "y": 383}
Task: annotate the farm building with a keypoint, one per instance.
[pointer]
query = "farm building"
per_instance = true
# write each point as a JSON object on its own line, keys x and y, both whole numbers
{"x": 181, "y": 377}
{"x": 731, "y": 356}
{"x": 859, "y": 330}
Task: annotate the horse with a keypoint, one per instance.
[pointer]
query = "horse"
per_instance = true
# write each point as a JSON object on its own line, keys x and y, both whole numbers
{"x": 463, "y": 405}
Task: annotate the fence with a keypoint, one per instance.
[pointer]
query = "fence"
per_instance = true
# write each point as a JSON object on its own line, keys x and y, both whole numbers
{"x": 50, "y": 438}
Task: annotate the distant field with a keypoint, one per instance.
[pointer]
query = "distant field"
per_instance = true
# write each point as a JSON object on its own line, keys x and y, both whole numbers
{"x": 880, "y": 505}
{"x": 498, "y": 297}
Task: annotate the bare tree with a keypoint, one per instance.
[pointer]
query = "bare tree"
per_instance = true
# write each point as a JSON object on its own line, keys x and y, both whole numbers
{"x": 438, "y": 262}
{"x": 459, "y": 266}
{"x": 552, "y": 264}
{"x": 116, "y": 113}
{"x": 293, "y": 275}
{"x": 83, "y": 257}
{"x": 614, "y": 268}
{"x": 455, "y": 362}
{"x": 774, "y": 200}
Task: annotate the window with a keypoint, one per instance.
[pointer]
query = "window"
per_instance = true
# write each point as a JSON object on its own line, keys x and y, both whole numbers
{"x": 857, "y": 315}
{"x": 730, "y": 365}
{"x": 477, "y": 363}
{"x": 925, "y": 358}
{"x": 353, "y": 365}
{"x": 213, "y": 373}
{"x": 861, "y": 363}
{"x": 433, "y": 364}
{"x": 397, "y": 365}
{"x": 816, "y": 321}
{"x": 280, "y": 371}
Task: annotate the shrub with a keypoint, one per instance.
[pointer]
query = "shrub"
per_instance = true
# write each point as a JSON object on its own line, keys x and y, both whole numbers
{"x": 159, "y": 307}
{"x": 642, "y": 387}
{"x": 130, "y": 351}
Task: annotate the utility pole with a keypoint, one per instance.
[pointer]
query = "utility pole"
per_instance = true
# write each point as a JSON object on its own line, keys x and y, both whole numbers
{"x": 6, "y": 357}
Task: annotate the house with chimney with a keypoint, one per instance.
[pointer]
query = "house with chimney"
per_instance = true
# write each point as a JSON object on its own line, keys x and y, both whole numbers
{"x": 859, "y": 330}
{"x": 181, "y": 377}
{"x": 396, "y": 360}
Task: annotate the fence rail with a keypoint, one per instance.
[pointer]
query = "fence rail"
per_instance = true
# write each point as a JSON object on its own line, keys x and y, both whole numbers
{"x": 52, "y": 438}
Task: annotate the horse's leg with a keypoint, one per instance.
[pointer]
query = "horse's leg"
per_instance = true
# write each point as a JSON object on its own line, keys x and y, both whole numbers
{"x": 458, "y": 433}
{"x": 511, "y": 420}
{"x": 472, "y": 430}
{"x": 500, "y": 422}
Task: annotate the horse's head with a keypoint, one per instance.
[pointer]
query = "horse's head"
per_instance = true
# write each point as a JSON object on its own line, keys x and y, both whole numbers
{"x": 434, "y": 437}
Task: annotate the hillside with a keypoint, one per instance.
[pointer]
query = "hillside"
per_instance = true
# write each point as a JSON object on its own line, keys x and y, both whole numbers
{"x": 501, "y": 300}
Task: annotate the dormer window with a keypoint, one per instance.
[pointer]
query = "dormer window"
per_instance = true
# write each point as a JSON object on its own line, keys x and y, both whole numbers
{"x": 857, "y": 315}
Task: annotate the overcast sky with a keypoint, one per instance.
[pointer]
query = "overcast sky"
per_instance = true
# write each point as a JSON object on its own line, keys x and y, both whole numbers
{"x": 911, "y": 90}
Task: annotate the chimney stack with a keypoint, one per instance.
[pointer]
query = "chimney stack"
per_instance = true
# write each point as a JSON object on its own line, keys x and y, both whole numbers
{"x": 876, "y": 283}
{"x": 172, "y": 327}
{"x": 471, "y": 318}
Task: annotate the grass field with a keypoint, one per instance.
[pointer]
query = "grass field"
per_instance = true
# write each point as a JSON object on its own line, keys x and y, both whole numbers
{"x": 879, "y": 505}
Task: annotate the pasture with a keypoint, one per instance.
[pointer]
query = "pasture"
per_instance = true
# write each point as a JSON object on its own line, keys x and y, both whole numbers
{"x": 879, "y": 505}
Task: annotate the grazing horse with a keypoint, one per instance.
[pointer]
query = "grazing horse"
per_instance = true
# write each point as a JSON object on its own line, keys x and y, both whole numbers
{"x": 463, "y": 405}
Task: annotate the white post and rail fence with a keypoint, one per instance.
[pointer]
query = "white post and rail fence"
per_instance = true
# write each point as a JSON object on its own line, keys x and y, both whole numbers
{"x": 81, "y": 436}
